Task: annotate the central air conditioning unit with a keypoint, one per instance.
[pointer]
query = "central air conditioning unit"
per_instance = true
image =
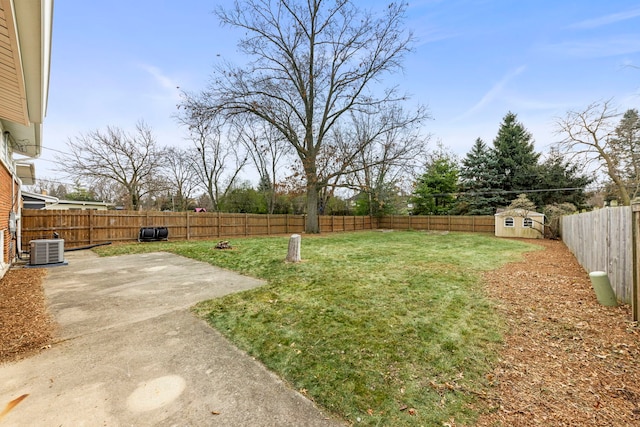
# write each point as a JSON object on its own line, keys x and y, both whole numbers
{"x": 46, "y": 251}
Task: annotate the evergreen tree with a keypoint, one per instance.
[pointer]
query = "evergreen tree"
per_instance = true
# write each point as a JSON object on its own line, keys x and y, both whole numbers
{"x": 625, "y": 149}
{"x": 479, "y": 182}
{"x": 557, "y": 172}
{"x": 516, "y": 160}
{"x": 434, "y": 192}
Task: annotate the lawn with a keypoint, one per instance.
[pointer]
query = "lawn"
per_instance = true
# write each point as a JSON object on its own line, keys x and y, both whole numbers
{"x": 379, "y": 328}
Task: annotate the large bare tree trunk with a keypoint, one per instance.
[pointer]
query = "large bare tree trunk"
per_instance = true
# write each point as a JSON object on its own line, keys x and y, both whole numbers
{"x": 311, "y": 224}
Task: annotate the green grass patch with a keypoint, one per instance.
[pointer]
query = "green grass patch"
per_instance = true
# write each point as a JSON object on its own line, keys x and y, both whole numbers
{"x": 369, "y": 323}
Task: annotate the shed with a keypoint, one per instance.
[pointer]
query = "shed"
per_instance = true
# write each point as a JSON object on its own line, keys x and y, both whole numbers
{"x": 519, "y": 223}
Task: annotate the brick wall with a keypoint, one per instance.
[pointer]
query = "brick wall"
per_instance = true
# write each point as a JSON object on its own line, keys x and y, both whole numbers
{"x": 6, "y": 199}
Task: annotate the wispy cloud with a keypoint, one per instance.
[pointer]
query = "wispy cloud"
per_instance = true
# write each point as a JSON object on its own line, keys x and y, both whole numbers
{"x": 427, "y": 36}
{"x": 162, "y": 79}
{"x": 606, "y": 20}
{"x": 599, "y": 48}
{"x": 493, "y": 93}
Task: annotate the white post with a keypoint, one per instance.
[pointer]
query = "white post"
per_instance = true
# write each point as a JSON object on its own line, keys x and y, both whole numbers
{"x": 293, "y": 254}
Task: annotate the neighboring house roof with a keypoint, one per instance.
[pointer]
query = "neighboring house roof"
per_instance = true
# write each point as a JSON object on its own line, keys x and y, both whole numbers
{"x": 50, "y": 202}
{"x": 25, "y": 41}
{"x": 67, "y": 204}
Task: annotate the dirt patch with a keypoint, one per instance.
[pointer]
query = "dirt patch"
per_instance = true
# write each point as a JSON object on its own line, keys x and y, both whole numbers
{"x": 25, "y": 325}
{"x": 567, "y": 360}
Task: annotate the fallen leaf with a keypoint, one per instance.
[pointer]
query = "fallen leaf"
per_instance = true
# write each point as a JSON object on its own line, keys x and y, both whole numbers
{"x": 12, "y": 405}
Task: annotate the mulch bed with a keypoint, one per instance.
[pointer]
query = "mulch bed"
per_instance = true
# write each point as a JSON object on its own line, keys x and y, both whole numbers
{"x": 566, "y": 360}
{"x": 25, "y": 325}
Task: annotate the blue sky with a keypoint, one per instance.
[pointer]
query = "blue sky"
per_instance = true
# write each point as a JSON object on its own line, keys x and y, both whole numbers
{"x": 119, "y": 61}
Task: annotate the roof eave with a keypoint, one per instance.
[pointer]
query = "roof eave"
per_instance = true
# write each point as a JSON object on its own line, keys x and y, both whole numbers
{"x": 34, "y": 23}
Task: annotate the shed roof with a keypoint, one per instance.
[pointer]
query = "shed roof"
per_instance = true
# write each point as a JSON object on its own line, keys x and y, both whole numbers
{"x": 517, "y": 212}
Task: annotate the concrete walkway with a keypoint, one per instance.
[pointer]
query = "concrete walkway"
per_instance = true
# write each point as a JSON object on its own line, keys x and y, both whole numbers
{"x": 131, "y": 354}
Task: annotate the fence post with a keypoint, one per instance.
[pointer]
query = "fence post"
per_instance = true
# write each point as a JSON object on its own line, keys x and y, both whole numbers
{"x": 188, "y": 225}
{"x": 635, "y": 231}
{"x": 91, "y": 227}
{"x": 219, "y": 225}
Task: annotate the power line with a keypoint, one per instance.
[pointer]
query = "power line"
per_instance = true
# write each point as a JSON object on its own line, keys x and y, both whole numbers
{"x": 498, "y": 192}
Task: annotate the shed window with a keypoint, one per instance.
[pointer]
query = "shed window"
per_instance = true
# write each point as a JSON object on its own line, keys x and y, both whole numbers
{"x": 527, "y": 223}
{"x": 508, "y": 222}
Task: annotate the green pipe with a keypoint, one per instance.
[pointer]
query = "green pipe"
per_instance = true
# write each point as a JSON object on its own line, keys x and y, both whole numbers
{"x": 602, "y": 287}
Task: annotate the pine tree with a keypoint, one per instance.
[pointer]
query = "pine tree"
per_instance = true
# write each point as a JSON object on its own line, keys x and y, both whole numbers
{"x": 516, "y": 159}
{"x": 434, "y": 192}
{"x": 625, "y": 149}
{"x": 557, "y": 172}
{"x": 479, "y": 181}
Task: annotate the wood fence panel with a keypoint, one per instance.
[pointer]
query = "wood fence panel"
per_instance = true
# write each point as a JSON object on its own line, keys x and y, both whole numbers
{"x": 601, "y": 240}
{"x": 81, "y": 228}
{"x": 478, "y": 224}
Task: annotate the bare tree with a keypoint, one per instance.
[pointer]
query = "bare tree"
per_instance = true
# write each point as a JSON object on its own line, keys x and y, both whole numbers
{"x": 266, "y": 148}
{"x": 386, "y": 156}
{"x": 217, "y": 161}
{"x": 588, "y": 134}
{"x": 313, "y": 61}
{"x": 131, "y": 160}
{"x": 180, "y": 177}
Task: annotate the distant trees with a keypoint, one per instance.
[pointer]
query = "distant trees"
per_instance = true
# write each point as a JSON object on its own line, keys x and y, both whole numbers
{"x": 515, "y": 159}
{"x": 130, "y": 161}
{"x": 591, "y": 135}
{"x": 180, "y": 178}
{"x": 479, "y": 181}
{"x": 392, "y": 149}
{"x": 625, "y": 143}
{"x": 216, "y": 160}
{"x": 488, "y": 178}
{"x": 311, "y": 64}
{"x": 561, "y": 181}
{"x": 435, "y": 189}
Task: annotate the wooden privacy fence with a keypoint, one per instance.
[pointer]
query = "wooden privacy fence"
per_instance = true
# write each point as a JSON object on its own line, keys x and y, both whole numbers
{"x": 81, "y": 228}
{"x": 474, "y": 224}
{"x": 602, "y": 240}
